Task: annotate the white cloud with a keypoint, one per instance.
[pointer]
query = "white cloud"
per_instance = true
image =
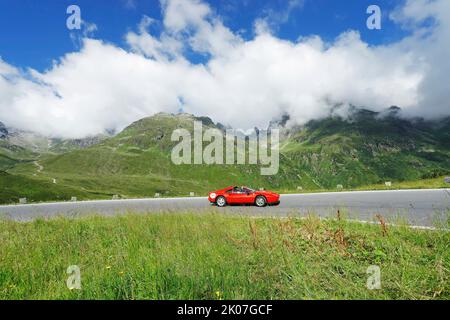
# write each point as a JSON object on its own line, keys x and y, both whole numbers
{"x": 129, "y": 4}
{"x": 194, "y": 22}
{"x": 245, "y": 83}
{"x": 430, "y": 21}
{"x": 87, "y": 30}
{"x": 273, "y": 18}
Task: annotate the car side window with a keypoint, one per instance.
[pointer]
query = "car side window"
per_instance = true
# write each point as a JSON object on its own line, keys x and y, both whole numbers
{"x": 236, "y": 190}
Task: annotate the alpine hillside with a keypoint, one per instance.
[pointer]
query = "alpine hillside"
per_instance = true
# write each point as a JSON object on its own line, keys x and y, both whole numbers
{"x": 365, "y": 148}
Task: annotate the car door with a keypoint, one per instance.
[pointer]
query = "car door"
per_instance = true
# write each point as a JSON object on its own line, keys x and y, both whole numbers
{"x": 248, "y": 196}
{"x": 232, "y": 196}
{"x": 236, "y": 196}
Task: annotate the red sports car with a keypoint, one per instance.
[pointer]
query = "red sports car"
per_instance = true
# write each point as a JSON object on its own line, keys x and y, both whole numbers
{"x": 243, "y": 195}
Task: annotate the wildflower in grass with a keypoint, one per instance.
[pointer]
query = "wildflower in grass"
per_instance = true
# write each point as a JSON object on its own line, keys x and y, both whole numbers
{"x": 108, "y": 267}
{"x": 219, "y": 295}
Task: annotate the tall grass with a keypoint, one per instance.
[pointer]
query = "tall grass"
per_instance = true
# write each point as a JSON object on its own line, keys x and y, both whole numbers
{"x": 209, "y": 256}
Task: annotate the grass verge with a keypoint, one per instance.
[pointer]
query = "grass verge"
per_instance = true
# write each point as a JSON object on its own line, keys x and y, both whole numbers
{"x": 40, "y": 188}
{"x": 210, "y": 256}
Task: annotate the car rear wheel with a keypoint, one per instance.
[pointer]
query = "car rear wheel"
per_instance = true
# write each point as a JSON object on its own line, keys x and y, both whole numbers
{"x": 221, "y": 202}
{"x": 260, "y": 201}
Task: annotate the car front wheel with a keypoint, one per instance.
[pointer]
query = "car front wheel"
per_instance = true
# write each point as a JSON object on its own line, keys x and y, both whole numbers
{"x": 221, "y": 202}
{"x": 260, "y": 201}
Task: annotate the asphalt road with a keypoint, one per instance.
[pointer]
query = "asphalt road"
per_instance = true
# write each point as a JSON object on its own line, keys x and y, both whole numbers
{"x": 417, "y": 207}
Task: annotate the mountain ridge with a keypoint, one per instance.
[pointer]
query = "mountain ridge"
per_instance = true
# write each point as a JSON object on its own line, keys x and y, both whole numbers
{"x": 364, "y": 148}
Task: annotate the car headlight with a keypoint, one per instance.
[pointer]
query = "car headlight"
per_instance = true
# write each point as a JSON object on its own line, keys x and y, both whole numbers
{"x": 212, "y": 195}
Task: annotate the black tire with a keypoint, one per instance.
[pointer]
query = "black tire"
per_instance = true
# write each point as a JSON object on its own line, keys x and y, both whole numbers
{"x": 221, "y": 201}
{"x": 260, "y": 201}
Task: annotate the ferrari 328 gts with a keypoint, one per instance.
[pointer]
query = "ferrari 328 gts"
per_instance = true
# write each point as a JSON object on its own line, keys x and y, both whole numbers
{"x": 243, "y": 195}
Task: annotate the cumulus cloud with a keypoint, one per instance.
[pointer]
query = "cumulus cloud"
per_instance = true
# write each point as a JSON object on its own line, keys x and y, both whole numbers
{"x": 244, "y": 83}
{"x": 430, "y": 43}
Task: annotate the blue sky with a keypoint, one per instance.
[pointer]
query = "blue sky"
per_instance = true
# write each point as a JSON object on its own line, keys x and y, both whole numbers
{"x": 33, "y": 33}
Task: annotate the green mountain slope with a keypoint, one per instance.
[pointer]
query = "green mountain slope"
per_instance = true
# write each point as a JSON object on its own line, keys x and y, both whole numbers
{"x": 367, "y": 149}
{"x": 11, "y": 155}
{"x": 13, "y": 187}
{"x": 361, "y": 150}
{"x": 137, "y": 162}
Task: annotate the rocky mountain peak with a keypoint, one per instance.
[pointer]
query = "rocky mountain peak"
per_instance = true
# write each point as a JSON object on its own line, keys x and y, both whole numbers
{"x": 3, "y": 131}
{"x": 279, "y": 123}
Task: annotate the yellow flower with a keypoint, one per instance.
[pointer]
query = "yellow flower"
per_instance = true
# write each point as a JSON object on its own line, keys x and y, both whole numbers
{"x": 108, "y": 267}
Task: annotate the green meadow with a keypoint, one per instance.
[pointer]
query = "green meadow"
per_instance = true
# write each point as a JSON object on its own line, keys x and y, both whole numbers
{"x": 212, "y": 256}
